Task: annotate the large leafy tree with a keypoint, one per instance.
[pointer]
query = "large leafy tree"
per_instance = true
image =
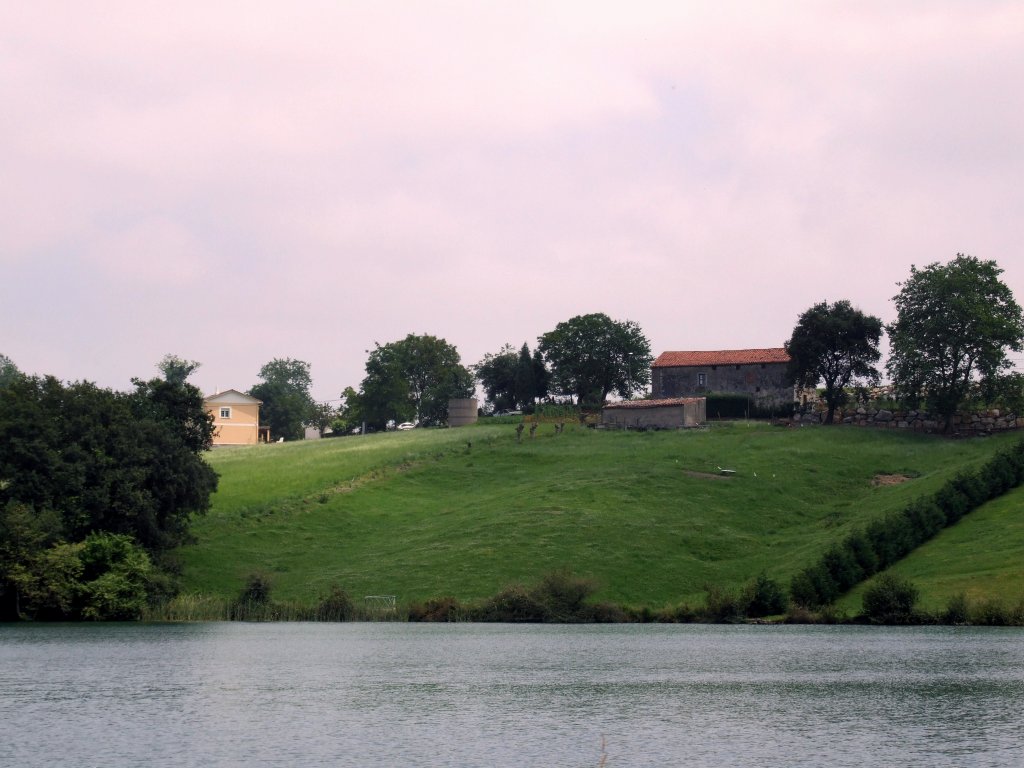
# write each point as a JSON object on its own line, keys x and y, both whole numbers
{"x": 955, "y": 323}
{"x": 77, "y": 460}
{"x": 592, "y": 356}
{"x": 284, "y": 389}
{"x": 836, "y": 344}
{"x": 412, "y": 379}
{"x": 512, "y": 379}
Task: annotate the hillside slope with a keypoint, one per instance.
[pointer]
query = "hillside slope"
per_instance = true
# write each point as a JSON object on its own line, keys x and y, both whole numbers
{"x": 981, "y": 557}
{"x": 423, "y": 514}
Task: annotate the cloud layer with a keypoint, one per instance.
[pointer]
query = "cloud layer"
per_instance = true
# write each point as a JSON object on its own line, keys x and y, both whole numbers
{"x": 234, "y": 182}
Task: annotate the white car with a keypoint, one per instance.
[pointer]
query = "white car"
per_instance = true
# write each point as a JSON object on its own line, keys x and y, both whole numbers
{"x": 406, "y": 425}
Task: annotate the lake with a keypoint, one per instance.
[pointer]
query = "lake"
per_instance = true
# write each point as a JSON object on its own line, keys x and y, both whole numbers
{"x": 383, "y": 694}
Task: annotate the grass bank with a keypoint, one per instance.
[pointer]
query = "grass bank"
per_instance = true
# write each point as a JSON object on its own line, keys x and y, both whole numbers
{"x": 466, "y": 512}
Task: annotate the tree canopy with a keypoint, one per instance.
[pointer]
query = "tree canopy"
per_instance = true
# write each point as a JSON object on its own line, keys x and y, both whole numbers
{"x": 287, "y": 404}
{"x": 955, "y": 323}
{"x": 8, "y": 370}
{"x": 592, "y": 356}
{"x": 512, "y": 379}
{"x": 836, "y": 344}
{"x": 79, "y": 461}
{"x": 176, "y": 369}
{"x": 412, "y": 379}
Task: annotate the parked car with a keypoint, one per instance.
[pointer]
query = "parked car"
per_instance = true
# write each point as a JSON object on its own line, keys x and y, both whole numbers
{"x": 406, "y": 425}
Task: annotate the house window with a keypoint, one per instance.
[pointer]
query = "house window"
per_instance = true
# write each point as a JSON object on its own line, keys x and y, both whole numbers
{"x": 737, "y": 367}
{"x": 702, "y": 379}
{"x": 225, "y": 412}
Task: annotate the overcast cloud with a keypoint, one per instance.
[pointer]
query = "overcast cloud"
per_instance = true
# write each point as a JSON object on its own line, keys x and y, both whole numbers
{"x": 237, "y": 181}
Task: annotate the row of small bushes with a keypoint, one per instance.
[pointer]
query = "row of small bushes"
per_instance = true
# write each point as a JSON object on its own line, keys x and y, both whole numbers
{"x": 561, "y": 597}
{"x": 873, "y": 549}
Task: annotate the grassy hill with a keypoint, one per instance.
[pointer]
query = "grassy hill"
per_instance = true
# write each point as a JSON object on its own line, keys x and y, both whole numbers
{"x": 981, "y": 557}
{"x": 421, "y": 514}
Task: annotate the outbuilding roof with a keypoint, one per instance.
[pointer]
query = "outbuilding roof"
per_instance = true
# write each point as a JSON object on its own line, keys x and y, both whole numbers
{"x": 721, "y": 357}
{"x": 664, "y": 403}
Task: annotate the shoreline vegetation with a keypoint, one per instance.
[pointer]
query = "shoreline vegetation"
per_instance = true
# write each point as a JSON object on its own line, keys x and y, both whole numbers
{"x": 561, "y": 597}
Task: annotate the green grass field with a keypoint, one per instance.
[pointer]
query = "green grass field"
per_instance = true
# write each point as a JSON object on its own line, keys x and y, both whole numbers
{"x": 420, "y": 514}
{"x": 981, "y": 557}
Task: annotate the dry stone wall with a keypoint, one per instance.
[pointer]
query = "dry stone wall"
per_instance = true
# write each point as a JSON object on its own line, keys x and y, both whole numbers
{"x": 980, "y": 422}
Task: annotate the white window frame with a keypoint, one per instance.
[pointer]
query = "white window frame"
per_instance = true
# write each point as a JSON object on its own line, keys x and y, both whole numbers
{"x": 225, "y": 411}
{"x": 702, "y": 379}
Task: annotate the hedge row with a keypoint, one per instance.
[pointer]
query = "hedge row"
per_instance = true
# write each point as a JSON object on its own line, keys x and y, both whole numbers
{"x": 885, "y": 541}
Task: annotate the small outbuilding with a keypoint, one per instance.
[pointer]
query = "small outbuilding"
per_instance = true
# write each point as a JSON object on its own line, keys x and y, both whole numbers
{"x": 671, "y": 413}
{"x": 236, "y": 417}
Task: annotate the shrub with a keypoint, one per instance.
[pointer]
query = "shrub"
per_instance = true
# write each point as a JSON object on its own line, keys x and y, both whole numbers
{"x": 336, "y": 606}
{"x": 512, "y": 604}
{"x": 563, "y": 595}
{"x": 890, "y": 600}
{"x": 764, "y": 597}
{"x": 437, "y": 609}
{"x": 957, "y": 610}
{"x": 724, "y": 606}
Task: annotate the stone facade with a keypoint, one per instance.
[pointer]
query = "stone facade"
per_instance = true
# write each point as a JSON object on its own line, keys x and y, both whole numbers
{"x": 674, "y": 413}
{"x": 759, "y": 373}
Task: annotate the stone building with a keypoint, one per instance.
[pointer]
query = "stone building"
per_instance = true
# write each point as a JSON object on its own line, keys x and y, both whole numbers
{"x": 673, "y": 413}
{"x": 759, "y": 373}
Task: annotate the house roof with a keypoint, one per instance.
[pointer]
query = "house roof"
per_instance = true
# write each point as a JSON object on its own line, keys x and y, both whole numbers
{"x": 721, "y": 357}
{"x": 664, "y": 403}
{"x": 229, "y": 396}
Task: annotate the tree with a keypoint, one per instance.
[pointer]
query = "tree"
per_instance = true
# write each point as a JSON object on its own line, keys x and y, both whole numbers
{"x": 412, "y": 379}
{"x": 176, "y": 369}
{"x": 497, "y": 374}
{"x": 592, "y": 356}
{"x": 955, "y": 323}
{"x": 77, "y": 460}
{"x": 322, "y": 416}
{"x": 512, "y": 379}
{"x": 284, "y": 390}
{"x": 836, "y": 344}
{"x": 531, "y": 377}
{"x": 8, "y": 370}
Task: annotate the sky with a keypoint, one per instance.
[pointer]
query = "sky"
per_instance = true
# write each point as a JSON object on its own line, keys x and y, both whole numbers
{"x": 233, "y": 182}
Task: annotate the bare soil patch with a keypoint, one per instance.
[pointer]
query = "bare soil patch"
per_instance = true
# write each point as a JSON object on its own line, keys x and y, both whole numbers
{"x": 706, "y": 475}
{"x": 889, "y": 480}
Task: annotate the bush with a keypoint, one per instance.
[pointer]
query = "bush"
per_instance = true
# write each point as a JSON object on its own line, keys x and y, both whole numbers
{"x": 724, "y": 606}
{"x": 513, "y": 604}
{"x": 957, "y": 611}
{"x": 890, "y": 600}
{"x": 563, "y": 595}
{"x": 336, "y": 606}
{"x": 437, "y": 609}
{"x": 764, "y": 597}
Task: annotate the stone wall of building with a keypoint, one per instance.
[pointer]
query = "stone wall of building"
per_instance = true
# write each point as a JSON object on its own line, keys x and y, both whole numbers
{"x": 765, "y": 382}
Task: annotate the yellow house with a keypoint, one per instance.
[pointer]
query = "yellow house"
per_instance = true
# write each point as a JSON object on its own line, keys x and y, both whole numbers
{"x": 236, "y": 417}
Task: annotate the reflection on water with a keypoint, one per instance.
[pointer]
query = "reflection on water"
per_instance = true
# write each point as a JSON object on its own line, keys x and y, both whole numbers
{"x": 495, "y": 695}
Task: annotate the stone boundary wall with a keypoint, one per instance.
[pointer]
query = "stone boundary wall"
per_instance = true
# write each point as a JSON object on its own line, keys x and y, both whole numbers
{"x": 975, "y": 423}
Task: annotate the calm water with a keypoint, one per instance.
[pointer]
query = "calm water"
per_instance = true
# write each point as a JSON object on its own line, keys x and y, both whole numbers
{"x": 500, "y": 695}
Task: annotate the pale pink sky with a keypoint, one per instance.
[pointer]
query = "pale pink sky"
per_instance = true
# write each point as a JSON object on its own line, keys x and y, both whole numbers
{"x": 237, "y": 181}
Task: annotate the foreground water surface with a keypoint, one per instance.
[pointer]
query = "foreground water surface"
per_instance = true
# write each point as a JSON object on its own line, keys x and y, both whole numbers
{"x": 509, "y": 695}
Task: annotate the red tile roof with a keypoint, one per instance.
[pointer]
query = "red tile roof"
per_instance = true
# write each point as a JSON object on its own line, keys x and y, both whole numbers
{"x": 721, "y": 357}
{"x": 665, "y": 403}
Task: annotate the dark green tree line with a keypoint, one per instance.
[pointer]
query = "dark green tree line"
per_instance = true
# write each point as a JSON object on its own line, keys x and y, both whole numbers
{"x": 78, "y": 461}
